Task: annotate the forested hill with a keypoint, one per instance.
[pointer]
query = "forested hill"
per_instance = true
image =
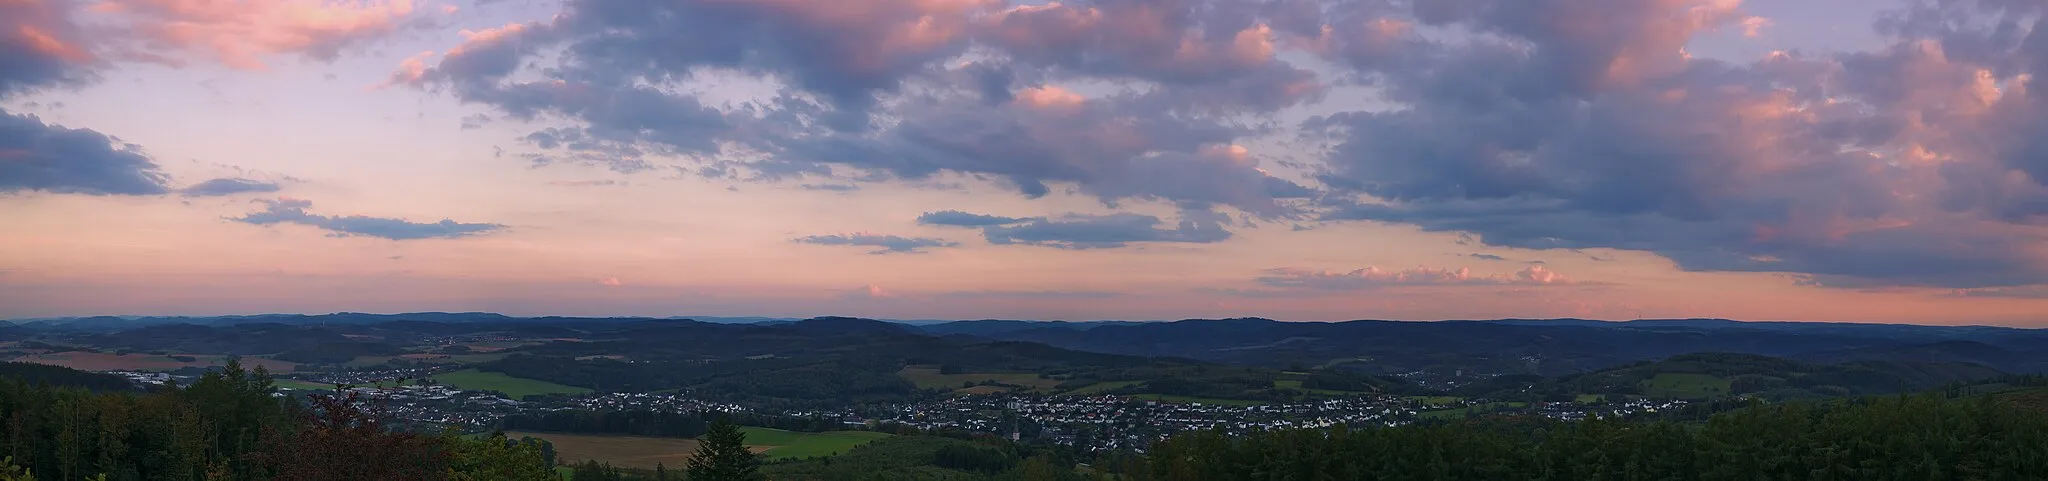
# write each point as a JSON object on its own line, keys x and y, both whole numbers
{"x": 62, "y": 377}
{"x": 1546, "y": 347}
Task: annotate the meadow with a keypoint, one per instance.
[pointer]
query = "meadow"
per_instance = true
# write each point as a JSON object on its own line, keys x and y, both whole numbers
{"x": 1101, "y": 387}
{"x": 1459, "y": 412}
{"x": 515, "y": 387}
{"x": 780, "y": 444}
{"x": 300, "y": 385}
{"x": 928, "y": 377}
{"x": 105, "y": 361}
{"x": 623, "y": 451}
{"x": 1295, "y": 384}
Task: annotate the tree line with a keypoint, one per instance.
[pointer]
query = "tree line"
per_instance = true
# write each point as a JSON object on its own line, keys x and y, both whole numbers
{"x": 1923, "y": 437}
{"x": 232, "y": 425}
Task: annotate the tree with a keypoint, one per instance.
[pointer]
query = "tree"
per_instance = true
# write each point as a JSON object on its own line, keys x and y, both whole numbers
{"x": 340, "y": 440}
{"x": 595, "y": 471}
{"x": 496, "y": 458}
{"x": 723, "y": 456}
{"x": 10, "y": 472}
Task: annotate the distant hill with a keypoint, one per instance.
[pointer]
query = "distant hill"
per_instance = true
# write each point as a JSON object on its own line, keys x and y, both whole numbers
{"x": 845, "y": 325}
{"x": 1543, "y": 347}
{"x": 826, "y": 358}
{"x": 995, "y": 327}
{"x": 1973, "y": 352}
{"x": 41, "y": 374}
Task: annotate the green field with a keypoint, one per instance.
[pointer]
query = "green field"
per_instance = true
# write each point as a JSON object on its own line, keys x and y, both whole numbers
{"x": 927, "y": 377}
{"x": 1435, "y": 400}
{"x": 1296, "y": 385}
{"x": 1459, "y": 412}
{"x": 1101, "y": 387}
{"x": 300, "y": 385}
{"x": 793, "y": 445}
{"x": 1191, "y": 399}
{"x": 514, "y": 387}
{"x": 478, "y": 358}
{"x": 1685, "y": 386}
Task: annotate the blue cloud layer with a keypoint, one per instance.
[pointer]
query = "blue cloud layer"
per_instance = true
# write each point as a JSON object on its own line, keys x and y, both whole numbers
{"x": 291, "y": 211}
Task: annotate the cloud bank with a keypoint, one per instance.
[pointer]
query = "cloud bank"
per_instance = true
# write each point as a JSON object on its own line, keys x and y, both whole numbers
{"x": 1540, "y": 124}
{"x": 35, "y": 156}
{"x": 1375, "y": 277}
{"x": 889, "y": 244}
{"x": 1086, "y": 231}
{"x": 43, "y": 45}
{"x": 293, "y": 211}
{"x": 229, "y": 186}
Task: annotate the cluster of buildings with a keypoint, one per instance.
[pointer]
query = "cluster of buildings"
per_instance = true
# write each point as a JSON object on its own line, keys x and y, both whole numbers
{"x": 369, "y": 378}
{"x": 1101, "y": 422}
{"x": 1578, "y": 412}
{"x": 439, "y": 406}
{"x": 656, "y": 402}
{"x": 1116, "y": 422}
{"x": 144, "y": 378}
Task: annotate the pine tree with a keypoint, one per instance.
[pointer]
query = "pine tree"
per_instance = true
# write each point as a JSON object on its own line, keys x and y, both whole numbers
{"x": 723, "y": 456}
{"x": 660, "y": 472}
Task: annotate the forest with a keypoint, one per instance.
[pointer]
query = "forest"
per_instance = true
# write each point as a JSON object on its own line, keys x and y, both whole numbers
{"x": 1883, "y": 438}
{"x": 230, "y": 425}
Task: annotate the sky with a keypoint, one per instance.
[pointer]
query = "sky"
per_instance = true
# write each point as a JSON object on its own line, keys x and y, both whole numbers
{"x": 1824, "y": 160}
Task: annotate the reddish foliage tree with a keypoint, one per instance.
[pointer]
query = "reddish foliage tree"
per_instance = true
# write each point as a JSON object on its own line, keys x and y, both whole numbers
{"x": 345, "y": 440}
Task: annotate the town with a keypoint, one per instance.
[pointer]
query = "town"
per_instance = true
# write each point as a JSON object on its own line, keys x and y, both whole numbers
{"x": 1098, "y": 422}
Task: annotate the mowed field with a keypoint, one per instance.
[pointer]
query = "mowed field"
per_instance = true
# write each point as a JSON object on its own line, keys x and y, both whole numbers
{"x": 780, "y": 444}
{"x": 1295, "y": 384}
{"x": 1102, "y": 387}
{"x": 928, "y": 377}
{"x": 516, "y": 387}
{"x": 645, "y": 452}
{"x": 623, "y": 451}
{"x": 301, "y": 385}
{"x": 106, "y": 361}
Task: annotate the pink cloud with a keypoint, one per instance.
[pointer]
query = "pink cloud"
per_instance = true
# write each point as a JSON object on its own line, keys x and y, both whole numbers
{"x": 869, "y": 291}
{"x": 1146, "y": 41}
{"x": 1374, "y": 277}
{"x": 241, "y": 34}
{"x": 874, "y": 37}
{"x": 44, "y": 43}
{"x": 41, "y": 41}
{"x": 1049, "y": 97}
{"x": 411, "y": 70}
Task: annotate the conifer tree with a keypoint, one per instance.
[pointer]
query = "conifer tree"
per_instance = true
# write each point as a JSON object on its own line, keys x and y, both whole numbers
{"x": 723, "y": 456}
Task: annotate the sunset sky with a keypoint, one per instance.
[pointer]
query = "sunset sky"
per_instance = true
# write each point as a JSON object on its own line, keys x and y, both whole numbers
{"x": 1830, "y": 160}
